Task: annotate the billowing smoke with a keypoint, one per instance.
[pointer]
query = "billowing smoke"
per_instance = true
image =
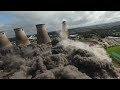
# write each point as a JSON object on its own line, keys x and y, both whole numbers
{"x": 66, "y": 59}
{"x": 99, "y": 52}
{"x": 63, "y": 34}
{"x": 45, "y": 62}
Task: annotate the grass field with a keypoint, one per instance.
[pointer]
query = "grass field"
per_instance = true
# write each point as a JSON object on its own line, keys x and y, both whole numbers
{"x": 113, "y": 49}
{"x": 114, "y": 52}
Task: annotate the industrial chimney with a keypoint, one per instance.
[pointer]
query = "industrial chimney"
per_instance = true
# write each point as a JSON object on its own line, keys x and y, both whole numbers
{"x": 64, "y": 26}
{"x": 4, "y": 41}
{"x": 21, "y": 37}
{"x": 64, "y": 32}
{"x": 42, "y": 34}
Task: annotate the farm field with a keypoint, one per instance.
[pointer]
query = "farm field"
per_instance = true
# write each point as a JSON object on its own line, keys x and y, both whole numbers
{"x": 114, "y": 52}
{"x": 115, "y": 49}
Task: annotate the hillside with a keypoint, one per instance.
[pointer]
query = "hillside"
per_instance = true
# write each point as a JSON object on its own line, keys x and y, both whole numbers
{"x": 112, "y": 25}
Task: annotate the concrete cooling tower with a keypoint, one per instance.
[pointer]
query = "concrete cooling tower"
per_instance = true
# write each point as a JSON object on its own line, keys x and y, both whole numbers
{"x": 64, "y": 26}
{"x": 64, "y": 31}
{"x": 4, "y": 41}
{"x": 42, "y": 34}
{"x": 21, "y": 37}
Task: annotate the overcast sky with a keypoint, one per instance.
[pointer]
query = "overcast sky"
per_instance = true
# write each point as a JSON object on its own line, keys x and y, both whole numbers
{"x": 28, "y": 19}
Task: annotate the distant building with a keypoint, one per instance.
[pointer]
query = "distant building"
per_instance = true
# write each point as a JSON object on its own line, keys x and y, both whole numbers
{"x": 111, "y": 37}
{"x": 74, "y": 36}
{"x": 32, "y": 37}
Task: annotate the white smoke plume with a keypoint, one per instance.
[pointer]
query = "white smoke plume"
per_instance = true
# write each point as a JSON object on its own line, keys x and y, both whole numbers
{"x": 98, "y": 51}
{"x": 64, "y": 31}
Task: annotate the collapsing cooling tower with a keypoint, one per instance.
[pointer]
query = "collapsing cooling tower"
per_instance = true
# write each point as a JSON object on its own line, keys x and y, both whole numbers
{"x": 4, "y": 41}
{"x": 21, "y": 37}
{"x": 64, "y": 26}
{"x": 64, "y": 32}
{"x": 42, "y": 34}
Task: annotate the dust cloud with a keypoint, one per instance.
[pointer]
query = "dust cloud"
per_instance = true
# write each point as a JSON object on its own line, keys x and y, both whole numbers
{"x": 64, "y": 59}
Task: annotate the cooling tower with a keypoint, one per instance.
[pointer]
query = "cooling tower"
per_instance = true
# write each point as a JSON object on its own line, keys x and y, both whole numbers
{"x": 64, "y": 32}
{"x": 21, "y": 37}
{"x": 64, "y": 26}
{"x": 4, "y": 41}
{"x": 42, "y": 34}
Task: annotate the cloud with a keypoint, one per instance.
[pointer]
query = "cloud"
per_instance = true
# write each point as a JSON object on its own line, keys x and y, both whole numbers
{"x": 28, "y": 19}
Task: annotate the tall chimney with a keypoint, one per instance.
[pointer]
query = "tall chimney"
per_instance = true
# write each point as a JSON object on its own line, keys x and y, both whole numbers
{"x": 4, "y": 41}
{"x": 21, "y": 37}
{"x": 42, "y": 34}
{"x": 64, "y": 33}
{"x": 64, "y": 26}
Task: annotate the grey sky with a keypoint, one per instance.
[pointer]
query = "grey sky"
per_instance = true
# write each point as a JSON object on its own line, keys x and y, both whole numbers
{"x": 28, "y": 19}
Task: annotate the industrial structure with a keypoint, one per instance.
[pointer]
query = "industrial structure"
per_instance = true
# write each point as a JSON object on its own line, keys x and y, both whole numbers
{"x": 42, "y": 34}
{"x": 4, "y": 41}
{"x": 21, "y": 37}
{"x": 64, "y": 26}
{"x": 64, "y": 32}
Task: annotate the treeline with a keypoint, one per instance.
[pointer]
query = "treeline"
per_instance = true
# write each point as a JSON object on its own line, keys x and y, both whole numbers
{"x": 102, "y": 33}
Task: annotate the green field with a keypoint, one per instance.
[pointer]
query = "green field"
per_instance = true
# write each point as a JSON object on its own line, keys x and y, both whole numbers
{"x": 114, "y": 52}
{"x": 113, "y": 49}
{"x": 118, "y": 33}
